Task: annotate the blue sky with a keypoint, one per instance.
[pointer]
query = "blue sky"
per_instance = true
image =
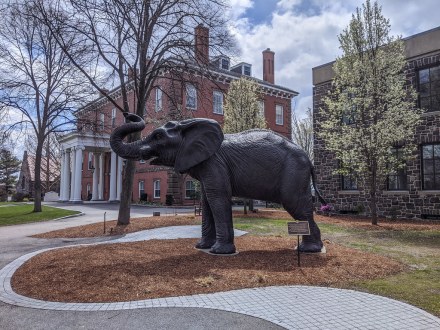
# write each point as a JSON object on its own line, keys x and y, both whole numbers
{"x": 304, "y": 34}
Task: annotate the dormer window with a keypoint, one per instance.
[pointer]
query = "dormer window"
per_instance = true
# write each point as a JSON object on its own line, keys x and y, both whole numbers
{"x": 224, "y": 63}
{"x": 243, "y": 68}
{"x": 247, "y": 70}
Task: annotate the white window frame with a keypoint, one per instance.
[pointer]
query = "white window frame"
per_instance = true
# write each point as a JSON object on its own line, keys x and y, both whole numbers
{"x": 191, "y": 93}
{"x": 261, "y": 108}
{"x": 217, "y": 102}
{"x": 90, "y": 161}
{"x": 113, "y": 117}
{"x": 141, "y": 183}
{"x": 186, "y": 188}
{"x": 279, "y": 114}
{"x": 158, "y": 100}
{"x": 156, "y": 189}
{"x": 101, "y": 121}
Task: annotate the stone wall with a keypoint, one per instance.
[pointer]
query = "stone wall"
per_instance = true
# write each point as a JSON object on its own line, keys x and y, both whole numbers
{"x": 411, "y": 203}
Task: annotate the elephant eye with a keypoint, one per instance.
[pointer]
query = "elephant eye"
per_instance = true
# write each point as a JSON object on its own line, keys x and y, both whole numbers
{"x": 158, "y": 136}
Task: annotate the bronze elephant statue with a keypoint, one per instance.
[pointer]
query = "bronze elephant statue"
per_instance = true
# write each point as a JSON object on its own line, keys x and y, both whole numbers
{"x": 255, "y": 164}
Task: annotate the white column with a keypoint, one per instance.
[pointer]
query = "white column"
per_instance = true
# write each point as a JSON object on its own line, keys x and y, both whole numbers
{"x": 95, "y": 178}
{"x": 101, "y": 177}
{"x": 66, "y": 193}
{"x": 113, "y": 161}
{"x": 62, "y": 175}
{"x": 72, "y": 174}
{"x": 78, "y": 174}
{"x": 119, "y": 180}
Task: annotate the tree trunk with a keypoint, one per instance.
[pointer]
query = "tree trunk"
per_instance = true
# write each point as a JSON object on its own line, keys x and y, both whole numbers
{"x": 373, "y": 205}
{"x": 251, "y": 205}
{"x": 126, "y": 192}
{"x": 37, "y": 177}
{"x": 245, "y": 206}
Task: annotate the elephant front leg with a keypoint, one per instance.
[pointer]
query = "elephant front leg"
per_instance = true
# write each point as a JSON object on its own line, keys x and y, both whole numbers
{"x": 208, "y": 226}
{"x": 222, "y": 211}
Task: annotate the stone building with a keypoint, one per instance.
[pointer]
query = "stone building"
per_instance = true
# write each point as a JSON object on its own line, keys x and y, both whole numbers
{"x": 90, "y": 170}
{"x": 415, "y": 191}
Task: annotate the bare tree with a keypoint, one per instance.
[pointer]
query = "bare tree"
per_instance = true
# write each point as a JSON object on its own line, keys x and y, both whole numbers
{"x": 302, "y": 132}
{"x": 135, "y": 42}
{"x": 37, "y": 79}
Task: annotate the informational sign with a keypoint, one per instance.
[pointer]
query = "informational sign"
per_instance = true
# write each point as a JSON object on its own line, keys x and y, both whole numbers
{"x": 298, "y": 228}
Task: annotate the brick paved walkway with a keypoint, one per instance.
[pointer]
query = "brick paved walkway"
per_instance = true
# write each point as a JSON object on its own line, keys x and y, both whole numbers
{"x": 293, "y": 307}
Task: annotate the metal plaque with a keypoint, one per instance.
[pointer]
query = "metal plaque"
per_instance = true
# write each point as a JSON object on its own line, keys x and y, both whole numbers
{"x": 298, "y": 228}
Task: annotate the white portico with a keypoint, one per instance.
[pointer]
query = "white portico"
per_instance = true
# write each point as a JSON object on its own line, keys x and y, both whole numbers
{"x": 74, "y": 146}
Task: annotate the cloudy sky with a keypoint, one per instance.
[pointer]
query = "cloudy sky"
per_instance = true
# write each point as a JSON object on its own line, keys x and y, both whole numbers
{"x": 304, "y": 34}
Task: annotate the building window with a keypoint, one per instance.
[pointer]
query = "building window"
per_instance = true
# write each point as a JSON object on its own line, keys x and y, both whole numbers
{"x": 141, "y": 185}
{"x": 279, "y": 116}
{"x": 191, "y": 97}
{"x": 429, "y": 88}
{"x": 101, "y": 121}
{"x": 397, "y": 181}
{"x": 89, "y": 191}
{"x": 158, "y": 103}
{"x": 156, "y": 188}
{"x": 348, "y": 182}
{"x": 431, "y": 166}
{"x": 247, "y": 70}
{"x": 225, "y": 63}
{"x": 218, "y": 102}
{"x": 90, "y": 161}
{"x": 261, "y": 108}
{"x": 190, "y": 189}
{"x": 113, "y": 117}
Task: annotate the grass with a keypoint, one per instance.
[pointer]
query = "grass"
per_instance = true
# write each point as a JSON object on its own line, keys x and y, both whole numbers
{"x": 18, "y": 213}
{"x": 419, "y": 285}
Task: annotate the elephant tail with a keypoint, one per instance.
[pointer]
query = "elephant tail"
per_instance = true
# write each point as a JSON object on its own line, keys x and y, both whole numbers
{"x": 321, "y": 199}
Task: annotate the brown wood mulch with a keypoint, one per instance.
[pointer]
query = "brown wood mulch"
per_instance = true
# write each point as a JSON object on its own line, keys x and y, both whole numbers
{"x": 137, "y": 224}
{"x": 164, "y": 268}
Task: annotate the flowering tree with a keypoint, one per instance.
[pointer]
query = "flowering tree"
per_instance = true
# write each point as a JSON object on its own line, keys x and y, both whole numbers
{"x": 371, "y": 108}
{"x": 242, "y": 109}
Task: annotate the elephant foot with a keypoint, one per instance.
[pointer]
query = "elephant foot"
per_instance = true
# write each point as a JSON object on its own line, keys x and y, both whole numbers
{"x": 310, "y": 246}
{"x": 205, "y": 243}
{"x": 222, "y": 248}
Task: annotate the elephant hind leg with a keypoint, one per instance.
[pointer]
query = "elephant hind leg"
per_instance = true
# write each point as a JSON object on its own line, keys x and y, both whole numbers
{"x": 303, "y": 211}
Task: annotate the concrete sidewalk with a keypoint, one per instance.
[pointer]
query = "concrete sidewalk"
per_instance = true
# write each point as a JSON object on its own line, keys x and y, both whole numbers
{"x": 292, "y": 307}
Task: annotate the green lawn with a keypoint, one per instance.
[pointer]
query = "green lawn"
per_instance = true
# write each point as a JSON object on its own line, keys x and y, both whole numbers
{"x": 418, "y": 249}
{"x": 18, "y": 213}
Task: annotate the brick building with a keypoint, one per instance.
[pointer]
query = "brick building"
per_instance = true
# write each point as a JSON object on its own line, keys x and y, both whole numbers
{"x": 415, "y": 191}
{"x": 90, "y": 170}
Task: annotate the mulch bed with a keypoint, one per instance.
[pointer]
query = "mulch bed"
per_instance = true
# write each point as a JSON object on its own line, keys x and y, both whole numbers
{"x": 164, "y": 268}
{"x": 96, "y": 229}
{"x": 137, "y": 224}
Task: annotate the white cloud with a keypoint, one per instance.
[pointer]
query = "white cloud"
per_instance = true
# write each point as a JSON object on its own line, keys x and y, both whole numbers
{"x": 304, "y": 34}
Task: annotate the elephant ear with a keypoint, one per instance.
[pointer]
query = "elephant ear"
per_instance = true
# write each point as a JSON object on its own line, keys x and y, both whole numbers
{"x": 201, "y": 138}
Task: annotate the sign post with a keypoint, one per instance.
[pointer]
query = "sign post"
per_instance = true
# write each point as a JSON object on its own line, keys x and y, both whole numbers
{"x": 299, "y": 228}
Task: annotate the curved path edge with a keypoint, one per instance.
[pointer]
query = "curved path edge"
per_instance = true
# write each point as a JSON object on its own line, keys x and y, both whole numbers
{"x": 293, "y": 307}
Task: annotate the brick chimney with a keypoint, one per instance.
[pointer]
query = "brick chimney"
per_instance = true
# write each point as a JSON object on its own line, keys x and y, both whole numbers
{"x": 201, "y": 44}
{"x": 268, "y": 66}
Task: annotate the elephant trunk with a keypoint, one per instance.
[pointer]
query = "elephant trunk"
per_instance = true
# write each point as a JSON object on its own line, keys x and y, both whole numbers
{"x": 127, "y": 150}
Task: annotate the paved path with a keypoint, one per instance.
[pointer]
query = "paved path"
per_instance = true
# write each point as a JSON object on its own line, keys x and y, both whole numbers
{"x": 292, "y": 307}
